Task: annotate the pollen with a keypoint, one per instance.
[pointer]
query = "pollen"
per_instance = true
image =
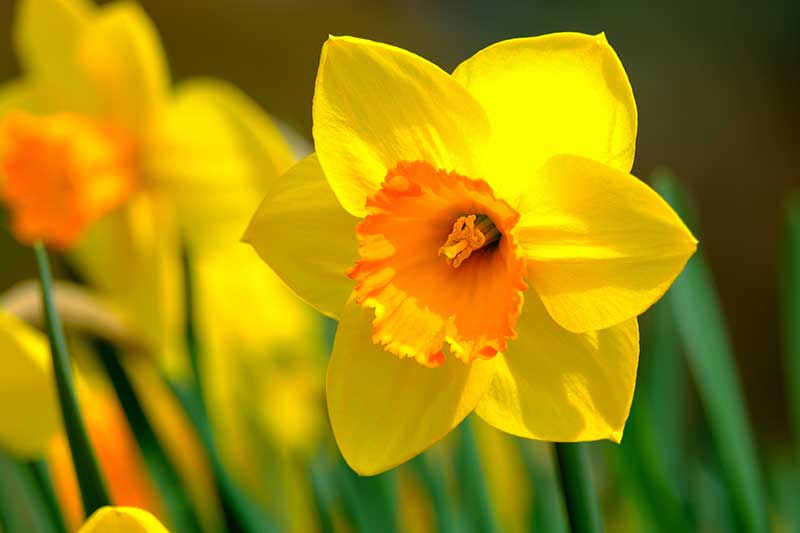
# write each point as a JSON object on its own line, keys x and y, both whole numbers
{"x": 470, "y": 233}
{"x": 60, "y": 173}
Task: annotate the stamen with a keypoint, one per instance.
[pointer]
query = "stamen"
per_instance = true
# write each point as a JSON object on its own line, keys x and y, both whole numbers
{"x": 470, "y": 233}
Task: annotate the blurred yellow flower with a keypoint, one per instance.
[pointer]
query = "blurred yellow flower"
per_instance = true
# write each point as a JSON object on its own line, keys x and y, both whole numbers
{"x": 122, "y": 520}
{"x": 99, "y": 154}
{"x": 444, "y": 197}
{"x": 30, "y": 416}
{"x": 135, "y": 168}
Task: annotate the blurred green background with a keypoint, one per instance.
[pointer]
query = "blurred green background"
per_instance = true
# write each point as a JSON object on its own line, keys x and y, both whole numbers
{"x": 717, "y": 86}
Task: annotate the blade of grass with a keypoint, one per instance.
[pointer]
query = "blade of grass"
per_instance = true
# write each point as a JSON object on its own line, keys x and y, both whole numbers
{"x": 472, "y": 484}
{"x": 702, "y": 330}
{"x": 580, "y": 498}
{"x": 90, "y": 480}
{"x": 182, "y": 516}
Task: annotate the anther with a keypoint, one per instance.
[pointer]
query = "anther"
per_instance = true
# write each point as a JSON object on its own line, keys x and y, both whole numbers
{"x": 470, "y": 233}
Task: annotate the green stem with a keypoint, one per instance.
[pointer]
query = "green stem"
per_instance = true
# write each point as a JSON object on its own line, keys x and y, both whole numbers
{"x": 44, "y": 485}
{"x": 90, "y": 480}
{"x": 576, "y": 482}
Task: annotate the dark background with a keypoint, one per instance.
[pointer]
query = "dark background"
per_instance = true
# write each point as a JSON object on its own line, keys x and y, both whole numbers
{"x": 717, "y": 86}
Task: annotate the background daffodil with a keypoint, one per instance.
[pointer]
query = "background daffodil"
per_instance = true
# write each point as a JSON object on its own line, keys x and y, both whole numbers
{"x": 100, "y": 155}
{"x": 188, "y": 165}
{"x": 122, "y": 520}
{"x": 445, "y": 197}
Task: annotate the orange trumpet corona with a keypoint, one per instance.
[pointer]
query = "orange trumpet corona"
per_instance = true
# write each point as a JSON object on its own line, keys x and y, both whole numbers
{"x": 440, "y": 265}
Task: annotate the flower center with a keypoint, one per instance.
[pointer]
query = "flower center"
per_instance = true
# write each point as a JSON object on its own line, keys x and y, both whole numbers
{"x": 426, "y": 266}
{"x": 470, "y": 233}
{"x": 60, "y": 173}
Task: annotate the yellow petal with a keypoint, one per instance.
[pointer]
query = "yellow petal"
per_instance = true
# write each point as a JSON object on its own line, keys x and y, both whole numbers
{"x": 601, "y": 245}
{"x": 30, "y": 416}
{"x": 46, "y": 36}
{"x": 215, "y": 153}
{"x": 376, "y": 105}
{"x": 122, "y": 520}
{"x": 385, "y": 410}
{"x": 306, "y": 236}
{"x": 121, "y": 54}
{"x": 559, "y": 386}
{"x": 563, "y": 93}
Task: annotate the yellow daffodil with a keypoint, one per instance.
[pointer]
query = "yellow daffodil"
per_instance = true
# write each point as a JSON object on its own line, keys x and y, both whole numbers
{"x": 99, "y": 155}
{"x": 500, "y": 249}
{"x": 146, "y": 166}
{"x": 30, "y": 416}
{"x": 122, "y": 520}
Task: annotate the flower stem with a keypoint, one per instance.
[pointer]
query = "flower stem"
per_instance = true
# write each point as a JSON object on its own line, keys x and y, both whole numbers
{"x": 90, "y": 480}
{"x": 576, "y": 483}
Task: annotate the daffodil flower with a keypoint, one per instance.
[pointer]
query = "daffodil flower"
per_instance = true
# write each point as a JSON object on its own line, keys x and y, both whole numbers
{"x": 122, "y": 520}
{"x": 101, "y": 156}
{"x": 480, "y": 239}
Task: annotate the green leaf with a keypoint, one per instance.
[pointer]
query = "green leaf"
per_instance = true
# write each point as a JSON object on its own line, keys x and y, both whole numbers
{"x": 94, "y": 494}
{"x": 704, "y": 335}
